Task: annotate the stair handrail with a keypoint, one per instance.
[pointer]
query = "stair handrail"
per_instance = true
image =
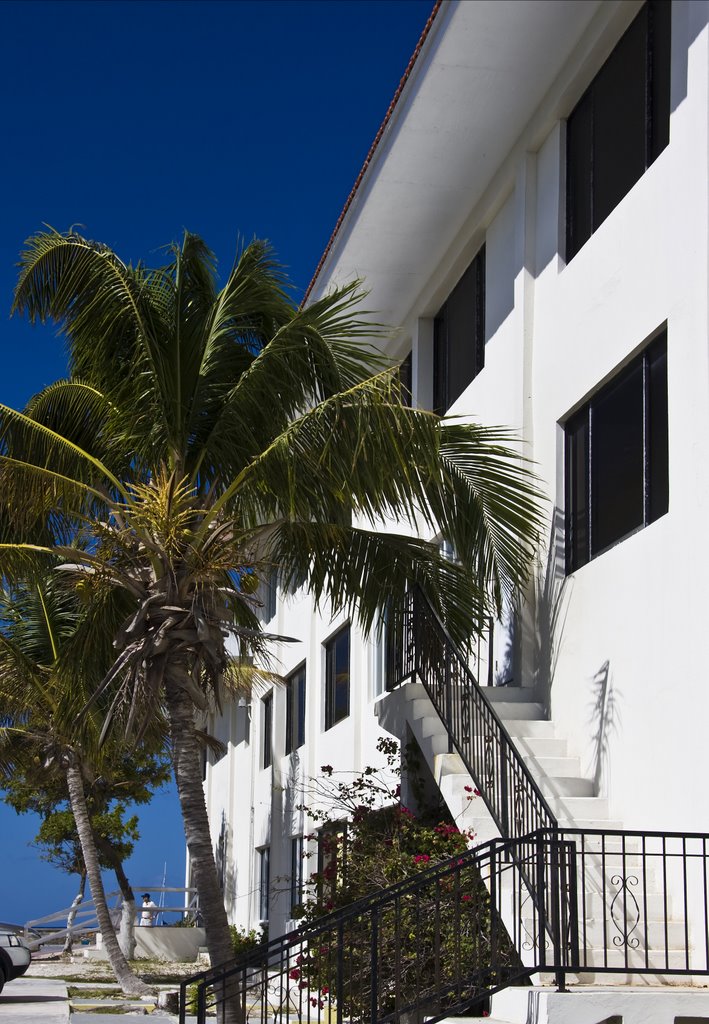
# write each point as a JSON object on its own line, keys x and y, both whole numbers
{"x": 277, "y": 965}
{"x": 505, "y": 783}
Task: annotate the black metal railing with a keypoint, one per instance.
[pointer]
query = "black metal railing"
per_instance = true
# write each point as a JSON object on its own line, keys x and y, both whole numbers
{"x": 587, "y": 902}
{"x": 433, "y": 945}
{"x": 425, "y": 651}
{"x": 641, "y": 901}
{"x": 540, "y": 899}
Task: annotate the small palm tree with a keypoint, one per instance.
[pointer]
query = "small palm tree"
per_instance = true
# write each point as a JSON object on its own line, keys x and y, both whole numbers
{"x": 41, "y": 702}
{"x": 209, "y": 435}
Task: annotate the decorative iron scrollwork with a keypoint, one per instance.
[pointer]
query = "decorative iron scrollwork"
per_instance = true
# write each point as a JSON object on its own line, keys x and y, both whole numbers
{"x": 531, "y": 939}
{"x": 518, "y": 808}
{"x": 625, "y": 911}
{"x": 489, "y": 763}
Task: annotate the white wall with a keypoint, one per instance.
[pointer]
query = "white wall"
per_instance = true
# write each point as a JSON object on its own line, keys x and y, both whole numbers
{"x": 629, "y": 687}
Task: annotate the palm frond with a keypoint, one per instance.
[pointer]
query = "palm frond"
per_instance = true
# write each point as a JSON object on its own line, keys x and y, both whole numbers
{"x": 318, "y": 352}
{"x": 358, "y": 453}
{"x": 362, "y": 572}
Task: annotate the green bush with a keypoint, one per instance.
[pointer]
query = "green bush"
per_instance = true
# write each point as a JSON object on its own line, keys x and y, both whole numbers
{"x": 243, "y": 941}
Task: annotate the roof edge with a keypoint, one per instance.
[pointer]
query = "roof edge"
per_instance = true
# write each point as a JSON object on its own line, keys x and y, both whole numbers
{"x": 372, "y": 149}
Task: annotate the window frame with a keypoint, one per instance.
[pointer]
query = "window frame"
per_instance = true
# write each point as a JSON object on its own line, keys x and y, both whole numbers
{"x": 330, "y": 679}
{"x": 295, "y": 724}
{"x": 581, "y": 513}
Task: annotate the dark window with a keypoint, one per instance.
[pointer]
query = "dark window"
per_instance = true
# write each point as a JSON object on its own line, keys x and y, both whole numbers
{"x": 296, "y": 873}
{"x": 270, "y": 595}
{"x": 405, "y": 379}
{"x": 620, "y": 125}
{"x": 459, "y": 337}
{"x": 295, "y": 710}
{"x": 337, "y": 678}
{"x": 617, "y": 458}
{"x": 264, "y": 885}
{"x": 267, "y": 716}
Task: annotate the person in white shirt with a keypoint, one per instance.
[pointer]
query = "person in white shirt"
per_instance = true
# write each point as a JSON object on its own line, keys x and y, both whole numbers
{"x": 147, "y": 911}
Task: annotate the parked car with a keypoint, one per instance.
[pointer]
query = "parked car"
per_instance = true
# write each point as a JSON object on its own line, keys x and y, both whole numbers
{"x": 15, "y": 957}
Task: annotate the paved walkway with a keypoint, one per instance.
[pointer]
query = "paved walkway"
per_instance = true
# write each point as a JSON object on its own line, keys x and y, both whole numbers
{"x": 34, "y": 1000}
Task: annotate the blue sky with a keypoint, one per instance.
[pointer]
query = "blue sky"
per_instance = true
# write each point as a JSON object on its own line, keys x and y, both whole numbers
{"x": 138, "y": 119}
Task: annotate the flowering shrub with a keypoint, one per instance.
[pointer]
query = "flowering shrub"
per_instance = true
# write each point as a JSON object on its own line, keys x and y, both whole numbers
{"x": 368, "y": 841}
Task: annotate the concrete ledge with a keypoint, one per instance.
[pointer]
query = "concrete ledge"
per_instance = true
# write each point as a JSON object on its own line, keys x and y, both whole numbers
{"x": 180, "y": 945}
{"x": 596, "y": 1005}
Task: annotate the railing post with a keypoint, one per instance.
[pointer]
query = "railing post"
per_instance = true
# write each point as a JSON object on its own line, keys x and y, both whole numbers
{"x": 201, "y": 1003}
{"x": 556, "y": 890}
{"x": 574, "y": 957}
{"x": 494, "y": 917}
{"x": 340, "y": 969}
{"x": 374, "y": 953}
{"x": 504, "y": 791}
{"x": 540, "y": 902}
{"x": 182, "y": 1009}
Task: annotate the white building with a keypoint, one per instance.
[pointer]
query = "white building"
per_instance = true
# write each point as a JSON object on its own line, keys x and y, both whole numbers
{"x": 533, "y": 220}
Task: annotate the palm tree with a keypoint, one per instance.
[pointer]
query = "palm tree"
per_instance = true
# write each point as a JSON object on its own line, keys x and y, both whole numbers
{"x": 208, "y": 435}
{"x": 40, "y": 706}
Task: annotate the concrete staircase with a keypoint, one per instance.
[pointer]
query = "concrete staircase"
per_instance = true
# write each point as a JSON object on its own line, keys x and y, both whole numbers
{"x": 572, "y": 799}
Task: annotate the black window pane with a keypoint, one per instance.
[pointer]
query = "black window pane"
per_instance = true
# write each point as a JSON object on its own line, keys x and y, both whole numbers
{"x": 267, "y": 710}
{"x": 462, "y": 315}
{"x": 295, "y": 711}
{"x": 577, "y": 540}
{"x": 296, "y": 884}
{"x": 405, "y": 380}
{"x": 620, "y": 124}
{"x": 658, "y": 460}
{"x": 459, "y": 337}
{"x": 264, "y": 881}
{"x": 620, "y": 121}
{"x": 660, "y": 35}
{"x": 617, "y": 461}
{"x": 300, "y": 720}
{"x": 579, "y": 150}
{"x": 337, "y": 679}
{"x": 440, "y": 362}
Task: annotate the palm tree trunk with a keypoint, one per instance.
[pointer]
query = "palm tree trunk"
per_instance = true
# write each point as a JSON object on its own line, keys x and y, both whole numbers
{"x": 126, "y": 934}
{"x": 125, "y": 977}
{"x": 187, "y": 763}
{"x": 68, "y": 942}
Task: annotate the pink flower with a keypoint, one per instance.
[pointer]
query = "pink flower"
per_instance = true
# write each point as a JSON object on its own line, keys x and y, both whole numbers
{"x": 324, "y": 990}
{"x": 421, "y": 858}
{"x": 477, "y": 792}
{"x": 468, "y": 789}
{"x": 466, "y": 898}
{"x": 294, "y": 975}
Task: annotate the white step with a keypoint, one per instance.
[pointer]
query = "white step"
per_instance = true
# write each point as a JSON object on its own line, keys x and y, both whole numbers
{"x": 580, "y": 808}
{"x": 530, "y": 727}
{"x": 509, "y": 694}
{"x": 421, "y": 707}
{"x": 566, "y": 786}
{"x": 554, "y": 767}
{"x": 588, "y": 1004}
{"x": 512, "y": 711}
{"x": 541, "y": 746}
